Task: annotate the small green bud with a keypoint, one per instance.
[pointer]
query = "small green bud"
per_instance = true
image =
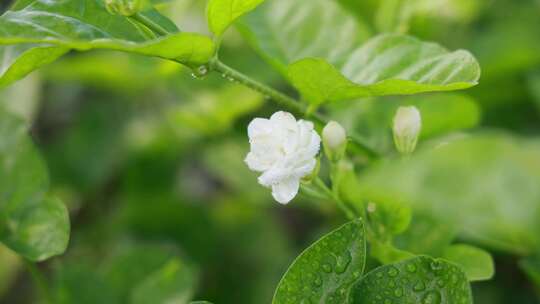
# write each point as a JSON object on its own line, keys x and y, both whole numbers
{"x": 407, "y": 126}
{"x": 124, "y": 7}
{"x": 334, "y": 139}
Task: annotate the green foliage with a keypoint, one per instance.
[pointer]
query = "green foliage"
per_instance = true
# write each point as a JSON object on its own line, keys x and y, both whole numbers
{"x": 130, "y": 273}
{"x": 31, "y": 223}
{"x": 311, "y": 33}
{"x": 172, "y": 283}
{"x": 152, "y": 163}
{"x": 427, "y": 235}
{"x": 326, "y": 271}
{"x": 470, "y": 183}
{"x": 222, "y": 13}
{"x": 385, "y": 65}
{"x": 79, "y": 25}
{"x": 10, "y": 264}
{"x": 531, "y": 266}
{"x": 477, "y": 263}
{"x": 20, "y": 59}
{"x": 418, "y": 280}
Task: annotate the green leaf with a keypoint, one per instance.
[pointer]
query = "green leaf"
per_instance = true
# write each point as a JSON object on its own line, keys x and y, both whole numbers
{"x": 418, "y": 280}
{"x": 133, "y": 266}
{"x": 325, "y": 271}
{"x": 388, "y": 64}
{"x": 531, "y": 265}
{"x": 284, "y": 31}
{"x": 390, "y": 217}
{"x": 125, "y": 272}
{"x": 10, "y": 265}
{"x": 35, "y": 226}
{"x": 172, "y": 283}
{"x": 38, "y": 232}
{"x": 486, "y": 186}
{"x": 27, "y": 95}
{"x": 16, "y": 61}
{"x": 426, "y": 235}
{"x": 85, "y": 25}
{"x": 387, "y": 253}
{"x": 477, "y": 263}
{"x": 222, "y": 13}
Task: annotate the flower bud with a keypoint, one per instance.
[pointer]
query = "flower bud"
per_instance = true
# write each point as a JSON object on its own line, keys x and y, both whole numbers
{"x": 334, "y": 139}
{"x": 407, "y": 126}
{"x": 124, "y": 7}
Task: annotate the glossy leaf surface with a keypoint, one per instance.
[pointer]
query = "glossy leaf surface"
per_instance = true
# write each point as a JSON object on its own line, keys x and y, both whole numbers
{"x": 31, "y": 224}
{"x": 417, "y": 280}
{"x": 222, "y": 13}
{"x": 477, "y": 263}
{"x": 486, "y": 186}
{"x": 388, "y": 64}
{"x": 284, "y": 31}
{"x": 325, "y": 272}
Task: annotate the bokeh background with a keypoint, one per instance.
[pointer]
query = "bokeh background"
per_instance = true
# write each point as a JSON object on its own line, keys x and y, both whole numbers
{"x": 149, "y": 160}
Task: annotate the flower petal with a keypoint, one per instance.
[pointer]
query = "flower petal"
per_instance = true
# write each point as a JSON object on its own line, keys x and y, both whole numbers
{"x": 286, "y": 190}
{"x": 256, "y": 163}
{"x": 258, "y": 127}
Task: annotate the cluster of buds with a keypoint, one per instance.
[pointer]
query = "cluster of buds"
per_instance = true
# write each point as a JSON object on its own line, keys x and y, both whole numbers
{"x": 284, "y": 150}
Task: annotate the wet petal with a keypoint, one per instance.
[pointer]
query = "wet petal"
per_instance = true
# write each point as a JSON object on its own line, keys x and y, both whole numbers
{"x": 286, "y": 190}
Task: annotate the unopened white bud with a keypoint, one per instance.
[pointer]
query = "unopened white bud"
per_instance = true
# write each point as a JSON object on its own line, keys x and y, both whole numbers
{"x": 407, "y": 126}
{"x": 334, "y": 139}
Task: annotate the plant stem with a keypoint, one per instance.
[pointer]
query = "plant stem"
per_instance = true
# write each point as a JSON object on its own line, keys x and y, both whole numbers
{"x": 281, "y": 99}
{"x": 268, "y": 92}
{"x": 322, "y": 186}
{"x": 156, "y": 28}
{"x": 39, "y": 280}
{"x": 288, "y": 102}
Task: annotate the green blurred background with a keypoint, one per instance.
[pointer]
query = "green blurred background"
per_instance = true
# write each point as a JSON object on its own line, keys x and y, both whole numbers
{"x": 150, "y": 160}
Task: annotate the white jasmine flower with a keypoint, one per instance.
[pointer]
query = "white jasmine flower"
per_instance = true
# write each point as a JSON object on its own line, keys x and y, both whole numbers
{"x": 407, "y": 126}
{"x": 284, "y": 150}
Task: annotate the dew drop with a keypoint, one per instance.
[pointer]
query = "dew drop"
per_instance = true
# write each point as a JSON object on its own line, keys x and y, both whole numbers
{"x": 436, "y": 265}
{"x": 317, "y": 281}
{"x": 411, "y": 268}
{"x": 202, "y": 70}
{"x": 398, "y": 292}
{"x": 305, "y": 301}
{"x": 343, "y": 262}
{"x": 432, "y": 297}
{"x": 440, "y": 283}
{"x": 393, "y": 271}
{"x": 326, "y": 268}
{"x": 419, "y": 286}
